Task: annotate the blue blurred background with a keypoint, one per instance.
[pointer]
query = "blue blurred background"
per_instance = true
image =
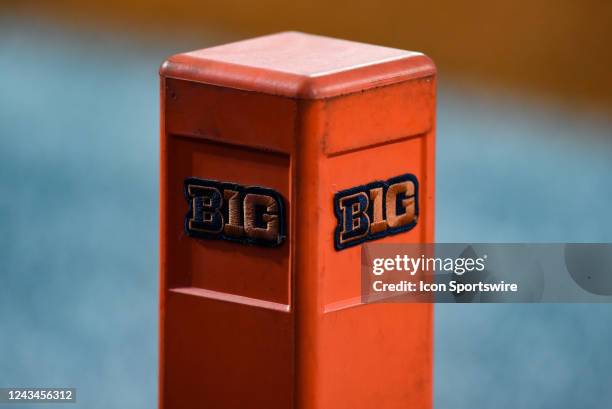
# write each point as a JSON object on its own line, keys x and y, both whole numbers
{"x": 79, "y": 208}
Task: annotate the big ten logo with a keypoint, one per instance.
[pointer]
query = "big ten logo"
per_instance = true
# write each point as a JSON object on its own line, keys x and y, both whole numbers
{"x": 229, "y": 211}
{"x": 376, "y": 210}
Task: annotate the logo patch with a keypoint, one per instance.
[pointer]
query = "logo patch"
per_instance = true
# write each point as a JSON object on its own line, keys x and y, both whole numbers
{"x": 376, "y": 210}
{"x": 229, "y": 211}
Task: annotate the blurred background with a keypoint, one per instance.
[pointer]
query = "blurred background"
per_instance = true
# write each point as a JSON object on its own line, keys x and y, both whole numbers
{"x": 524, "y": 155}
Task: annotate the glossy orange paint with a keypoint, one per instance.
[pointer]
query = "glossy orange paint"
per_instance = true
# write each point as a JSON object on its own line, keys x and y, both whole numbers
{"x": 255, "y": 327}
